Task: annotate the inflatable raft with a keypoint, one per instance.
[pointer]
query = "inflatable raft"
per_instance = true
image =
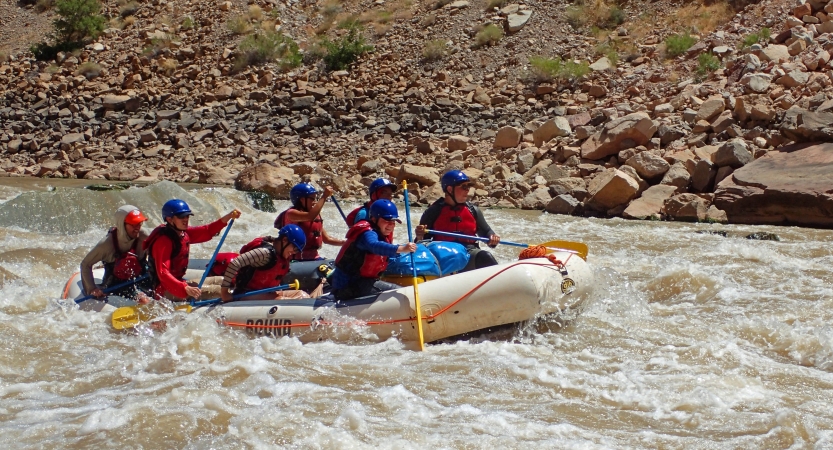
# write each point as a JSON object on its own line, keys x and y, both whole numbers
{"x": 505, "y": 294}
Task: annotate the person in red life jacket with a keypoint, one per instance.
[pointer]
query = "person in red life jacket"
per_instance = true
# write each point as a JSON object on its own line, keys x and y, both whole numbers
{"x": 262, "y": 264}
{"x": 455, "y": 214}
{"x": 168, "y": 247}
{"x": 364, "y": 257}
{"x": 380, "y": 188}
{"x": 306, "y": 213}
{"x": 122, "y": 253}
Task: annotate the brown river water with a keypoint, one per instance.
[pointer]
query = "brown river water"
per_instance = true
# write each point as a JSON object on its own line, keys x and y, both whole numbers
{"x": 690, "y": 340}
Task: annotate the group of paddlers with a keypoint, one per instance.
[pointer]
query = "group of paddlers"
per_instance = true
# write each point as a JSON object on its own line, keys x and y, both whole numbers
{"x": 157, "y": 262}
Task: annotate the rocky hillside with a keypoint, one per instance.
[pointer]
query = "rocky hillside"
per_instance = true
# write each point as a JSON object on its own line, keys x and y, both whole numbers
{"x": 161, "y": 95}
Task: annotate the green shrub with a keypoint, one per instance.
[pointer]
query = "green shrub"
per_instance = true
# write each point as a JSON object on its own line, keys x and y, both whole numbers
{"x": 269, "y": 46}
{"x": 78, "y": 20}
{"x": 576, "y": 16}
{"x": 490, "y": 34}
{"x": 46, "y": 52}
{"x": 238, "y": 25}
{"x": 545, "y": 70}
{"x": 89, "y": 69}
{"x": 129, "y": 9}
{"x": 608, "y": 51}
{"x": 615, "y": 17}
{"x": 44, "y": 5}
{"x": 706, "y": 64}
{"x": 761, "y": 36}
{"x": 677, "y": 44}
{"x": 188, "y": 23}
{"x": 339, "y": 54}
{"x": 435, "y": 50}
{"x": 495, "y": 4}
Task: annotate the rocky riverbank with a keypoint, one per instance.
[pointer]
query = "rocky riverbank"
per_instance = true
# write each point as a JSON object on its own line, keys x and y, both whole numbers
{"x": 638, "y": 138}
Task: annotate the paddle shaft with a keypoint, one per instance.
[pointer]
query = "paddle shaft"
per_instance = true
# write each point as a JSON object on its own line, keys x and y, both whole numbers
{"x": 247, "y": 294}
{"x": 214, "y": 256}
{"x": 115, "y": 288}
{"x": 335, "y": 202}
{"x": 413, "y": 269}
{"x": 483, "y": 239}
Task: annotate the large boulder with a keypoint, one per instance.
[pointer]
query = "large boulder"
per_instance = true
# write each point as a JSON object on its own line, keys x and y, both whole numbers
{"x": 508, "y": 137}
{"x": 563, "y": 204}
{"x": 425, "y": 176}
{"x": 210, "y": 174}
{"x": 611, "y": 189}
{"x": 801, "y": 125}
{"x": 558, "y": 126}
{"x": 733, "y": 153}
{"x": 790, "y": 186}
{"x": 637, "y": 128}
{"x": 265, "y": 177}
{"x": 686, "y": 208}
{"x": 648, "y": 165}
{"x": 650, "y": 204}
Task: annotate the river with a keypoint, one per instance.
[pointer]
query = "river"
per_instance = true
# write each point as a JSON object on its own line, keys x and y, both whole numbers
{"x": 692, "y": 340}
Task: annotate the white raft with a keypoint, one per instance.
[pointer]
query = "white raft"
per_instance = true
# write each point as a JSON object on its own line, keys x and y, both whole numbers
{"x": 505, "y": 294}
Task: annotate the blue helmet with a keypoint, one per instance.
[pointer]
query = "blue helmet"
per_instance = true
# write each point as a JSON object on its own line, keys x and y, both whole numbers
{"x": 294, "y": 234}
{"x": 300, "y": 191}
{"x": 378, "y": 184}
{"x": 384, "y": 209}
{"x": 453, "y": 178}
{"x": 175, "y": 207}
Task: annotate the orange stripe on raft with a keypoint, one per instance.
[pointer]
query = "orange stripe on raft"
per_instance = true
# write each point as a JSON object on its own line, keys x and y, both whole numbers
{"x": 69, "y": 283}
{"x": 391, "y": 321}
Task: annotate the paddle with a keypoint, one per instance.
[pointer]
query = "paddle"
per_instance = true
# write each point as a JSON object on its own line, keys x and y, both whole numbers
{"x": 214, "y": 301}
{"x": 115, "y": 288}
{"x": 563, "y": 246}
{"x": 333, "y": 197}
{"x": 130, "y": 316}
{"x": 214, "y": 256}
{"x": 413, "y": 269}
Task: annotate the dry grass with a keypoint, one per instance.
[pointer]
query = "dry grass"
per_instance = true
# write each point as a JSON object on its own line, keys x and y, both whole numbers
{"x": 706, "y": 17}
{"x": 89, "y": 69}
{"x": 4, "y": 56}
{"x": 239, "y": 25}
{"x": 255, "y": 13}
{"x": 128, "y": 21}
{"x": 168, "y": 66}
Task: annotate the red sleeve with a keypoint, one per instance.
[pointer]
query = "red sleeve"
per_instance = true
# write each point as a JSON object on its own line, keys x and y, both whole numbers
{"x": 205, "y": 233}
{"x": 161, "y": 252}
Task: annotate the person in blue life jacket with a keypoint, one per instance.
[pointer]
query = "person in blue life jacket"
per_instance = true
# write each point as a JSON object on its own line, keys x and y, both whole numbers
{"x": 263, "y": 265}
{"x": 364, "y": 257}
{"x": 455, "y": 214}
{"x": 306, "y": 213}
{"x": 380, "y": 188}
{"x": 123, "y": 254}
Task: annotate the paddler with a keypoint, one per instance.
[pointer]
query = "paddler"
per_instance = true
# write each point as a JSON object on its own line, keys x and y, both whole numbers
{"x": 262, "y": 264}
{"x": 364, "y": 257}
{"x": 122, "y": 252}
{"x": 306, "y": 213}
{"x": 380, "y": 188}
{"x": 168, "y": 247}
{"x": 455, "y": 214}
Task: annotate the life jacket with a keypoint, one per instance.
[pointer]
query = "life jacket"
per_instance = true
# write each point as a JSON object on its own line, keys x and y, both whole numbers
{"x": 126, "y": 265}
{"x": 256, "y": 278}
{"x": 456, "y": 219}
{"x": 221, "y": 263}
{"x": 313, "y": 229}
{"x": 359, "y": 263}
{"x": 351, "y": 218}
{"x": 180, "y": 249}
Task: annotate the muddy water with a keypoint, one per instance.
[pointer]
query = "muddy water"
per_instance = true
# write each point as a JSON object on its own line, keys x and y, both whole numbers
{"x": 691, "y": 340}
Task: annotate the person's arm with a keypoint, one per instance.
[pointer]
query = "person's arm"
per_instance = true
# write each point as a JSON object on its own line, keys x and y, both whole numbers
{"x": 369, "y": 242}
{"x": 96, "y": 254}
{"x": 330, "y": 240}
{"x": 161, "y": 253}
{"x": 294, "y": 215}
{"x": 258, "y": 257}
{"x": 205, "y": 233}
{"x": 141, "y": 252}
{"x": 426, "y": 222}
{"x": 483, "y": 228}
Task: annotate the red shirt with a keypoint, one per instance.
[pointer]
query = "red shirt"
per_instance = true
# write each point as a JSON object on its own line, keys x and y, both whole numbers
{"x": 161, "y": 252}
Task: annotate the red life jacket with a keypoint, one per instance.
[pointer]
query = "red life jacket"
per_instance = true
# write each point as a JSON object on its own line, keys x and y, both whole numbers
{"x": 312, "y": 229}
{"x": 256, "y": 278}
{"x": 126, "y": 266}
{"x": 356, "y": 262}
{"x": 221, "y": 263}
{"x": 180, "y": 249}
{"x": 455, "y": 219}
{"x": 351, "y": 218}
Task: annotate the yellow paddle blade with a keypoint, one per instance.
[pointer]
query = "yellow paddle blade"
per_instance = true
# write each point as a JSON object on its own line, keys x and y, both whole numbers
{"x": 577, "y": 247}
{"x": 130, "y": 316}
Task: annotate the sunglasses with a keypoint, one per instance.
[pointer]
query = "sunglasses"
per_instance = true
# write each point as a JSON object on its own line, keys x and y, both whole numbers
{"x": 465, "y": 186}
{"x": 183, "y": 215}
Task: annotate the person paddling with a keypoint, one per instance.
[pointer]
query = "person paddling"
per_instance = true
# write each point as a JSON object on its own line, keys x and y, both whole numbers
{"x": 380, "y": 188}
{"x": 122, "y": 252}
{"x": 168, "y": 247}
{"x": 455, "y": 214}
{"x": 364, "y": 257}
{"x": 306, "y": 213}
{"x": 262, "y": 264}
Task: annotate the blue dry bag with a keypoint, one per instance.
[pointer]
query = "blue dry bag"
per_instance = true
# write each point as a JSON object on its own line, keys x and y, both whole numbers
{"x": 452, "y": 256}
{"x": 425, "y": 263}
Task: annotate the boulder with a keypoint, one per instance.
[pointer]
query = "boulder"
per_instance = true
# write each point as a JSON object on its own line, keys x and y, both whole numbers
{"x": 756, "y": 82}
{"x": 711, "y": 108}
{"x": 266, "y": 177}
{"x": 650, "y": 204}
{"x": 536, "y": 199}
{"x": 702, "y": 177}
{"x": 791, "y": 186}
{"x": 458, "y": 142}
{"x": 638, "y": 128}
{"x": 517, "y": 20}
{"x": 508, "y": 137}
{"x": 648, "y": 165}
{"x": 425, "y": 176}
{"x": 563, "y": 204}
{"x": 677, "y": 176}
{"x": 801, "y": 125}
{"x": 552, "y": 128}
{"x": 733, "y": 153}
{"x": 610, "y": 189}
{"x": 686, "y": 208}
{"x": 775, "y": 53}
{"x": 210, "y": 174}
